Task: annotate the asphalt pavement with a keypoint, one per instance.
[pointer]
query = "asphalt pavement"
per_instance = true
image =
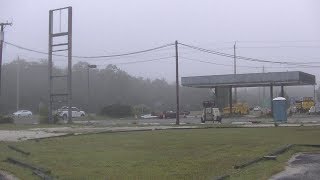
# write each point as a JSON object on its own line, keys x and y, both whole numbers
{"x": 195, "y": 120}
{"x": 302, "y": 166}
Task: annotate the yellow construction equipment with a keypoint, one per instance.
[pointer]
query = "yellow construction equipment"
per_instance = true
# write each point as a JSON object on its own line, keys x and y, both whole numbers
{"x": 304, "y": 104}
{"x": 239, "y": 109}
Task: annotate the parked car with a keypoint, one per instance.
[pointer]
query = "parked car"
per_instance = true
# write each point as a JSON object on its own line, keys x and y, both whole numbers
{"x": 63, "y": 112}
{"x": 314, "y": 110}
{"x": 22, "y": 113}
{"x": 173, "y": 114}
{"x": 184, "y": 113}
{"x": 257, "y": 108}
{"x": 170, "y": 114}
{"x": 149, "y": 116}
{"x": 160, "y": 115}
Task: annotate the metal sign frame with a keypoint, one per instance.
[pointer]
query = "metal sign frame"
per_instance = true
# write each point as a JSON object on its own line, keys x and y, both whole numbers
{"x": 68, "y": 45}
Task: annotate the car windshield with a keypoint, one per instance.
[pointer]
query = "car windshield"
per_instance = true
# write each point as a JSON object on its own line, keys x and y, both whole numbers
{"x": 159, "y": 89}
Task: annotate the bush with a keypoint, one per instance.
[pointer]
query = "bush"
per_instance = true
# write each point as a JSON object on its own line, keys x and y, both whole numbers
{"x": 43, "y": 112}
{"x": 117, "y": 110}
{"x": 6, "y": 119}
{"x": 141, "y": 109}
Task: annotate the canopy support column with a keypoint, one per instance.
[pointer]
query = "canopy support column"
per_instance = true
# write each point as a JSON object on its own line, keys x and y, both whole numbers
{"x": 230, "y": 99}
{"x": 271, "y": 98}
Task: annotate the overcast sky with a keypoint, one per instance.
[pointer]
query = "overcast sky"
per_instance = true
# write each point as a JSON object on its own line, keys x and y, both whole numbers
{"x": 278, "y": 30}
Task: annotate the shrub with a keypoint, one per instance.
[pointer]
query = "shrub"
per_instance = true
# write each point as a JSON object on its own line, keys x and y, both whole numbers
{"x": 140, "y": 109}
{"x": 117, "y": 110}
{"x": 6, "y": 119}
{"x": 43, "y": 112}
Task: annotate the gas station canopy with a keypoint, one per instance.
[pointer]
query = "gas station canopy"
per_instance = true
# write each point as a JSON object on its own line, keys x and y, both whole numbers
{"x": 289, "y": 78}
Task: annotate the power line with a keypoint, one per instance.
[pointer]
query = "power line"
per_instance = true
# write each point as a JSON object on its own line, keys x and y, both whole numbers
{"x": 92, "y": 57}
{"x": 279, "y": 57}
{"x": 123, "y": 63}
{"x": 136, "y": 62}
{"x": 242, "y": 57}
{"x": 124, "y": 54}
{"x": 264, "y": 41}
{"x": 27, "y": 49}
{"x": 253, "y": 67}
{"x": 164, "y": 46}
{"x": 208, "y": 62}
{"x": 281, "y": 41}
{"x": 270, "y": 47}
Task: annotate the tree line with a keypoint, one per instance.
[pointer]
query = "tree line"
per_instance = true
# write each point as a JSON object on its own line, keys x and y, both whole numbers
{"x": 109, "y": 85}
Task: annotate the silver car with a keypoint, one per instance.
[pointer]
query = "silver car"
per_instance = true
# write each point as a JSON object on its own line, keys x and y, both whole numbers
{"x": 22, "y": 113}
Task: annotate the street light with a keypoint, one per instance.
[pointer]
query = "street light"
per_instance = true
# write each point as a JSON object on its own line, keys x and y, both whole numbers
{"x": 90, "y": 66}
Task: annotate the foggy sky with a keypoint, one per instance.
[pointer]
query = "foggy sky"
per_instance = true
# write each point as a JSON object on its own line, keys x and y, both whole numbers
{"x": 117, "y": 26}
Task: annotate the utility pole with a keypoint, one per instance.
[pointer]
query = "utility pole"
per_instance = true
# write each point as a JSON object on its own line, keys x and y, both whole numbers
{"x": 18, "y": 84}
{"x": 177, "y": 84}
{"x": 2, "y": 25}
{"x": 89, "y": 67}
{"x": 235, "y": 69}
{"x": 69, "y": 78}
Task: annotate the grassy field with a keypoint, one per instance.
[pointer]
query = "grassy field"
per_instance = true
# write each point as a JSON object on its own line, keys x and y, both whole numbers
{"x": 169, "y": 154}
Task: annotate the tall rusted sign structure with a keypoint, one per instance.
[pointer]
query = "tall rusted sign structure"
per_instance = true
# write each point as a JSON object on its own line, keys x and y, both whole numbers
{"x": 60, "y": 41}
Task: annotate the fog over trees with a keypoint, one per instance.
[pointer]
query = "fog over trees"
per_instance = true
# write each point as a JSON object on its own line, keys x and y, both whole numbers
{"x": 109, "y": 85}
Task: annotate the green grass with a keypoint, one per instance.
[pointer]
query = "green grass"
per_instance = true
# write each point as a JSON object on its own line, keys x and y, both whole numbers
{"x": 169, "y": 154}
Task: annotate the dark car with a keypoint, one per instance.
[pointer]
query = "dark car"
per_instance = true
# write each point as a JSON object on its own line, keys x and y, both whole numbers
{"x": 185, "y": 113}
{"x": 170, "y": 114}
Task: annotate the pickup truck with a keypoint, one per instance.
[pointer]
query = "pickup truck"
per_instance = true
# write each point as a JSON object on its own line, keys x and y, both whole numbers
{"x": 63, "y": 112}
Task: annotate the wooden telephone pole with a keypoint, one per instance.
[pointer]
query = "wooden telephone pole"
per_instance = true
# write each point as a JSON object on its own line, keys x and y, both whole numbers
{"x": 2, "y": 25}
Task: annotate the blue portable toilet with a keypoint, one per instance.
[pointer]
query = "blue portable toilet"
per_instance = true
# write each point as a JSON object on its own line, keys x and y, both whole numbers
{"x": 279, "y": 109}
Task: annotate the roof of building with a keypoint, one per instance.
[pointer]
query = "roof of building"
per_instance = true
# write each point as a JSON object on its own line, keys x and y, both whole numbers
{"x": 289, "y": 78}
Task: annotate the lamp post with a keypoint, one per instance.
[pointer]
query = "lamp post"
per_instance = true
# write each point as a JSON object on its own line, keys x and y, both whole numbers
{"x": 90, "y": 66}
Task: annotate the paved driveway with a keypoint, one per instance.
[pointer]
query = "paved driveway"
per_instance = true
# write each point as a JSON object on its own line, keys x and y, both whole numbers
{"x": 303, "y": 166}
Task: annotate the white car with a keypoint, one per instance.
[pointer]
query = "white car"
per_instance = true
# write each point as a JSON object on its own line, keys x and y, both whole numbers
{"x": 148, "y": 116}
{"x": 257, "y": 108}
{"x": 63, "y": 112}
{"x": 22, "y": 113}
{"x": 314, "y": 110}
